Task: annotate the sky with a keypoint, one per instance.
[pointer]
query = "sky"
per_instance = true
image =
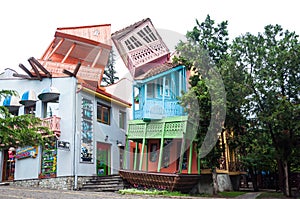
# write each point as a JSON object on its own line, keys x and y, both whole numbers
{"x": 28, "y": 27}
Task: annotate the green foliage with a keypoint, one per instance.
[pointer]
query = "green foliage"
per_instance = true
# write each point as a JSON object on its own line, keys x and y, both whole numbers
{"x": 109, "y": 76}
{"x": 151, "y": 192}
{"x": 20, "y": 131}
{"x": 205, "y": 101}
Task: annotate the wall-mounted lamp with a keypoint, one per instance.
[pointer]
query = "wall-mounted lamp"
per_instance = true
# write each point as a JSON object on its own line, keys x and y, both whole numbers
{"x": 119, "y": 143}
{"x": 106, "y": 138}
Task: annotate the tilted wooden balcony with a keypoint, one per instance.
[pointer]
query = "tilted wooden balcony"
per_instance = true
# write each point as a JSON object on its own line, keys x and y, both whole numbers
{"x": 53, "y": 123}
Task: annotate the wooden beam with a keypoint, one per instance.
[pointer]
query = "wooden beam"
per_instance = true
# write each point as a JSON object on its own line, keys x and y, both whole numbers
{"x": 40, "y": 66}
{"x": 26, "y": 70}
{"x": 97, "y": 58}
{"x": 35, "y": 69}
{"x": 25, "y": 76}
{"x": 68, "y": 73}
{"x": 68, "y": 53}
{"x": 56, "y": 47}
{"x": 77, "y": 68}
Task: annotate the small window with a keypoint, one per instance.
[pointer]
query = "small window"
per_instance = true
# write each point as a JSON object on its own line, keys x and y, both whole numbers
{"x": 50, "y": 109}
{"x": 122, "y": 119}
{"x": 103, "y": 113}
{"x": 30, "y": 110}
{"x": 167, "y": 87}
{"x": 147, "y": 34}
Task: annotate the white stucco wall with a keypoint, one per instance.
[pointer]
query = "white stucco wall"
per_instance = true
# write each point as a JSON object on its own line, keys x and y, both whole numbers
{"x": 30, "y": 167}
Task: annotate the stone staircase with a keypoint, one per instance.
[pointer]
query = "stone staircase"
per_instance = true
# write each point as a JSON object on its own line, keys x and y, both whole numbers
{"x": 110, "y": 183}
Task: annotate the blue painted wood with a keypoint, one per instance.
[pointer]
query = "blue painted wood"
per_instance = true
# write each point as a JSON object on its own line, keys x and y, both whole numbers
{"x": 158, "y": 97}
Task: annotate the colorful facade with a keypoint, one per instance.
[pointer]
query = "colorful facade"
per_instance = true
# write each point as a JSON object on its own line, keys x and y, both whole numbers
{"x": 63, "y": 89}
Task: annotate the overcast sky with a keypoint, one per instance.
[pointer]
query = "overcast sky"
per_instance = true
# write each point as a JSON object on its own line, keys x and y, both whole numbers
{"x": 28, "y": 26}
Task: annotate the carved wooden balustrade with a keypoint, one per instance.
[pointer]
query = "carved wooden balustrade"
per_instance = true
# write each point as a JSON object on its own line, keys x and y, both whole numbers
{"x": 53, "y": 123}
{"x": 158, "y": 109}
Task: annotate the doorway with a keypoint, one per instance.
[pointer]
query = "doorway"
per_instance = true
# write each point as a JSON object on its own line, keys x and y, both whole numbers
{"x": 103, "y": 159}
{"x": 8, "y": 170}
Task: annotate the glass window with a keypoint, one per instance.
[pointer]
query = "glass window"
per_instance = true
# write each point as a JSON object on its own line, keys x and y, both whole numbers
{"x": 122, "y": 119}
{"x": 103, "y": 113}
{"x": 147, "y": 34}
{"x": 167, "y": 87}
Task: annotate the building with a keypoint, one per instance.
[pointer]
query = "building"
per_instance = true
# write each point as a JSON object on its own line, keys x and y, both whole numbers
{"x": 162, "y": 144}
{"x": 63, "y": 88}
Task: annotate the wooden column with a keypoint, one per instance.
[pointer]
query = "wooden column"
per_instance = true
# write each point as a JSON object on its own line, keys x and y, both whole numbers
{"x": 190, "y": 157}
{"x": 135, "y": 155}
{"x": 143, "y": 148}
{"x": 161, "y": 149}
{"x": 182, "y": 150}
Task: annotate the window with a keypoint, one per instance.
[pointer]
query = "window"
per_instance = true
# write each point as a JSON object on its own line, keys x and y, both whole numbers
{"x": 147, "y": 34}
{"x": 122, "y": 119}
{"x": 103, "y": 113}
{"x": 30, "y": 110}
{"x": 167, "y": 87}
{"x": 50, "y": 109}
{"x": 132, "y": 43}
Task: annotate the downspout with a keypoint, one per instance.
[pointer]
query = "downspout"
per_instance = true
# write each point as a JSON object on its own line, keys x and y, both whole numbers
{"x": 75, "y": 138}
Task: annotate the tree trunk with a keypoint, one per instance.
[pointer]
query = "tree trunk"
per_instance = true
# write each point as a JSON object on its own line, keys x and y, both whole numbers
{"x": 215, "y": 181}
{"x": 287, "y": 190}
{"x": 254, "y": 179}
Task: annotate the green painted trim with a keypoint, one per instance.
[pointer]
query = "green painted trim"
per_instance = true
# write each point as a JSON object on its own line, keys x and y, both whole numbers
{"x": 161, "y": 149}
{"x": 135, "y": 155}
{"x": 147, "y": 157}
{"x": 190, "y": 158}
{"x": 181, "y": 153}
{"x": 125, "y": 153}
{"x": 143, "y": 148}
{"x": 109, "y": 161}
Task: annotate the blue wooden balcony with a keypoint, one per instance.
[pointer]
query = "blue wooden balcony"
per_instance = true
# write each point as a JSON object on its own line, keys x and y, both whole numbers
{"x": 157, "y": 109}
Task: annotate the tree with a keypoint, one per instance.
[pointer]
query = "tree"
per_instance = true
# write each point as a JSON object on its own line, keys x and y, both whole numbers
{"x": 272, "y": 60}
{"x": 20, "y": 131}
{"x": 109, "y": 76}
{"x": 206, "y": 47}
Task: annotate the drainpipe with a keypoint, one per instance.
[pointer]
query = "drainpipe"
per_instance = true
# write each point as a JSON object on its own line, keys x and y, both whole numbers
{"x": 75, "y": 165}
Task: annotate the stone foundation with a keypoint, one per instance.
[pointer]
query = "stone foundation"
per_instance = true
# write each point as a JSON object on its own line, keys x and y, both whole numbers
{"x": 59, "y": 183}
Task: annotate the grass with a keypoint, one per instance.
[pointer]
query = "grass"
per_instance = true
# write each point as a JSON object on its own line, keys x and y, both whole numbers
{"x": 151, "y": 192}
{"x": 231, "y": 194}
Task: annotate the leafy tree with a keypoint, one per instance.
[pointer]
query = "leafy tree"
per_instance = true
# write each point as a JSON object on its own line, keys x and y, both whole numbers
{"x": 203, "y": 52}
{"x": 109, "y": 76}
{"x": 20, "y": 131}
{"x": 272, "y": 60}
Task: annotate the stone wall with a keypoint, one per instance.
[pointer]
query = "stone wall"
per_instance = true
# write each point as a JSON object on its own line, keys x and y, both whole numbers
{"x": 60, "y": 183}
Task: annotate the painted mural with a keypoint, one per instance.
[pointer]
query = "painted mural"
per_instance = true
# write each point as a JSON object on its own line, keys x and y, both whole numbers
{"x": 87, "y": 131}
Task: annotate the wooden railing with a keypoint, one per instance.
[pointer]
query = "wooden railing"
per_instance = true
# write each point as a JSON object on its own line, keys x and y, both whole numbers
{"x": 157, "y": 109}
{"x": 53, "y": 123}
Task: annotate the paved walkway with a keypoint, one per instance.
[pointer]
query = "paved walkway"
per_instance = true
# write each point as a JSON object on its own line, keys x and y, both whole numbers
{"x": 12, "y": 192}
{"x": 250, "y": 195}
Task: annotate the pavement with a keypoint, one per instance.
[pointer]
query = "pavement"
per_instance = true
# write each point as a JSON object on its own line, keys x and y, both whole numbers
{"x": 13, "y": 192}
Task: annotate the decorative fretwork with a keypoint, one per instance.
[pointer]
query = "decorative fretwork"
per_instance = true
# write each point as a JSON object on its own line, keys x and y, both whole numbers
{"x": 146, "y": 54}
{"x": 154, "y": 130}
{"x": 174, "y": 129}
{"x": 136, "y": 130}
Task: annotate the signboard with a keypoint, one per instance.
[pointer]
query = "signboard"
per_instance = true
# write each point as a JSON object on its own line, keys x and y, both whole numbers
{"x": 27, "y": 152}
{"x": 63, "y": 145}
